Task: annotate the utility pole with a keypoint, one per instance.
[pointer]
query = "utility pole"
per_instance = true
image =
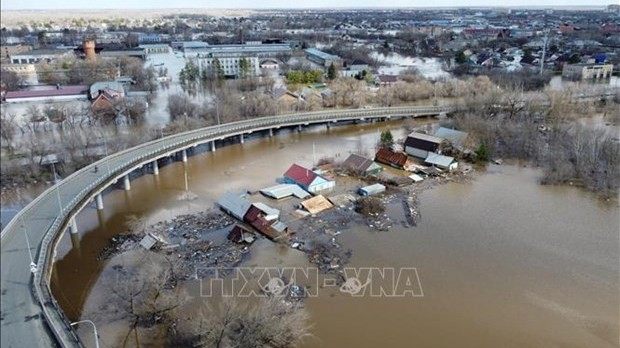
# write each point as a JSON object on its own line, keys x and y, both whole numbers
{"x": 544, "y": 52}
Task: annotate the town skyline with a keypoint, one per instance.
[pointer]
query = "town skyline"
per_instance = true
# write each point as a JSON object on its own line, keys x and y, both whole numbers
{"x": 272, "y": 4}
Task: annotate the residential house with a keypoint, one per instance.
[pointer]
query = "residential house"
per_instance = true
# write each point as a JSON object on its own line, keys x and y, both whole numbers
{"x": 113, "y": 88}
{"x": 441, "y": 161}
{"x": 362, "y": 165}
{"x": 285, "y": 99}
{"x": 284, "y": 190}
{"x": 312, "y": 97}
{"x": 234, "y": 204}
{"x": 354, "y": 69}
{"x": 386, "y": 80}
{"x": 256, "y": 218}
{"x": 457, "y": 139}
{"x": 307, "y": 179}
{"x": 260, "y": 216}
{"x": 420, "y": 145}
{"x": 105, "y": 103}
{"x": 397, "y": 160}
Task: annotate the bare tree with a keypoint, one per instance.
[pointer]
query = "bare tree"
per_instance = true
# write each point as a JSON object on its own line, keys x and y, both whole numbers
{"x": 8, "y": 126}
{"x": 143, "y": 296}
{"x": 268, "y": 323}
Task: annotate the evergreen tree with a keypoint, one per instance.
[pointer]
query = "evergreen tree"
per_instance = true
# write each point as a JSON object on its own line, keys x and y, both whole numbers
{"x": 387, "y": 140}
{"x": 331, "y": 72}
{"x": 460, "y": 57}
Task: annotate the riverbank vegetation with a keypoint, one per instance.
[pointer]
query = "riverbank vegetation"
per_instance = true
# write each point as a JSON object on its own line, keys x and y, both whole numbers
{"x": 80, "y": 137}
{"x": 557, "y": 135}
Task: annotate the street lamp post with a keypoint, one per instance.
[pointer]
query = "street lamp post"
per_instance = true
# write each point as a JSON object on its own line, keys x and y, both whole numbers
{"x": 94, "y": 329}
{"x": 60, "y": 208}
{"x": 33, "y": 265}
{"x": 217, "y": 112}
{"x": 105, "y": 149}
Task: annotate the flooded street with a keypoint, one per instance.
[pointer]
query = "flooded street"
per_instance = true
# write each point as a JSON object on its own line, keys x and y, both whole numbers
{"x": 502, "y": 261}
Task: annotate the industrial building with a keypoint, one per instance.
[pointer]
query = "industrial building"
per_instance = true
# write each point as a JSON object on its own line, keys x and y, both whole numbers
{"x": 229, "y": 66}
{"x": 36, "y": 56}
{"x": 587, "y": 71}
{"x": 255, "y": 49}
{"x": 322, "y": 58}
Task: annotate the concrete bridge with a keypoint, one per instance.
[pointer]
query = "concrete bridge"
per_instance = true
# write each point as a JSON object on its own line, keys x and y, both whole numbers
{"x": 30, "y": 315}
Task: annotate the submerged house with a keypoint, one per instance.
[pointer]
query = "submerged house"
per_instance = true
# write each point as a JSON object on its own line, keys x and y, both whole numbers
{"x": 259, "y": 215}
{"x": 256, "y": 218}
{"x": 457, "y": 139}
{"x": 316, "y": 204}
{"x": 106, "y": 96}
{"x": 397, "y": 160}
{"x": 284, "y": 190}
{"x": 362, "y": 165}
{"x": 234, "y": 204}
{"x": 307, "y": 179}
{"x": 419, "y": 145}
{"x": 240, "y": 235}
{"x": 441, "y": 161}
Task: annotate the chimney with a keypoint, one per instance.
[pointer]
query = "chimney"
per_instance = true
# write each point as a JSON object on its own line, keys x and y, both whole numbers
{"x": 89, "y": 49}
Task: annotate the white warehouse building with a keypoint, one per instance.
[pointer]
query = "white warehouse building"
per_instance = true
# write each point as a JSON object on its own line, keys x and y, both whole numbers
{"x": 231, "y": 66}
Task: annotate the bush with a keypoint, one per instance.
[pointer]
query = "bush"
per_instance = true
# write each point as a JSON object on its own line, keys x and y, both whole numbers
{"x": 369, "y": 206}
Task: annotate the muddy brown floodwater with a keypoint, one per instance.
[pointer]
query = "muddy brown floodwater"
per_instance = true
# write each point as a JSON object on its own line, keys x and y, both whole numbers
{"x": 502, "y": 260}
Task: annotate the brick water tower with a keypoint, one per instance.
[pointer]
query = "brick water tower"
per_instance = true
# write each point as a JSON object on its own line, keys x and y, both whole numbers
{"x": 89, "y": 49}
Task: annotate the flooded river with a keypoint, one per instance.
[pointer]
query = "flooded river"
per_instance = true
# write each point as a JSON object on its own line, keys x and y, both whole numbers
{"x": 502, "y": 261}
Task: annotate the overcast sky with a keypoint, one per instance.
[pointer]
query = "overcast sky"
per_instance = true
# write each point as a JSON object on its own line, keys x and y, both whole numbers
{"x": 152, "y": 4}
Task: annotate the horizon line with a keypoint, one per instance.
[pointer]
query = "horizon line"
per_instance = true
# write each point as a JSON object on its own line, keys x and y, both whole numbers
{"x": 313, "y": 8}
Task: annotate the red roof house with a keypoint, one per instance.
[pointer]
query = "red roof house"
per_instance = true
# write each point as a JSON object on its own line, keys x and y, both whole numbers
{"x": 307, "y": 179}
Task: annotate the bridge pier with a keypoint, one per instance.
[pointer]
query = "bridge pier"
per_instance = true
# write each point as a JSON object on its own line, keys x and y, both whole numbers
{"x": 270, "y": 132}
{"x": 155, "y": 168}
{"x": 101, "y": 218}
{"x": 99, "y": 201}
{"x": 126, "y": 183}
{"x": 213, "y": 146}
{"x": 75, "y": 244}
{"x": 73, "y": 226}
{"x": 299, "y": 128}
{"x": 241, "y": 138}
{"x": 184, "y": 155}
